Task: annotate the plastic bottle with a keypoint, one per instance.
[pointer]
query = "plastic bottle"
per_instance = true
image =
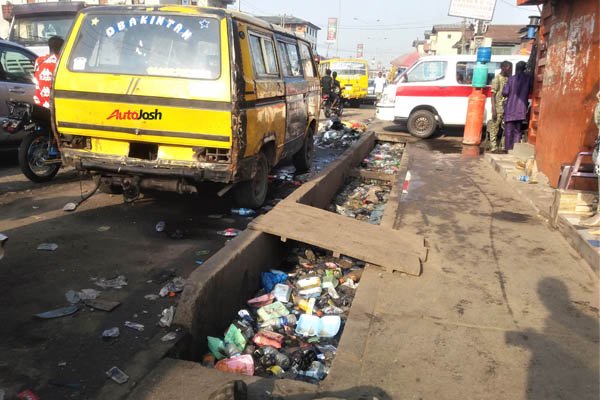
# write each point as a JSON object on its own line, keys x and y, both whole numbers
{"x": 277, "y": 323}
{"x": 244, "y": 212}
{"x": 316, "y": 371}
{"x": 524, "y": 178}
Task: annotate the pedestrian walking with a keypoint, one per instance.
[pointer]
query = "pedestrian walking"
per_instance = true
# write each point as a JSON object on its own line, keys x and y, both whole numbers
{"x": 498, "y": 101}
{"x": 380, "y": 83}
{"x": 516, "y": 92}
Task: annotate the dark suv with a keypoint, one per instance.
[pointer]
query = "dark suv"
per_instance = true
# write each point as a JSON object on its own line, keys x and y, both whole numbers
{"x": 16, "y": 83}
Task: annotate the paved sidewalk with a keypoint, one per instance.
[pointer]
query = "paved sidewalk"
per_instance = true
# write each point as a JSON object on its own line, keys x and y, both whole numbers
{"x": 505, "y": 308}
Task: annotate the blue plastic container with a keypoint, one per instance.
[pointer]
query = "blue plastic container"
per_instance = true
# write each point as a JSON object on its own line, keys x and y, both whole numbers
{"x": 484, "y": 54}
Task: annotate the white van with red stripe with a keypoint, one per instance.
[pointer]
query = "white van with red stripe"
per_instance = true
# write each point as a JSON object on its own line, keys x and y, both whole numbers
{"x": 434, "y": 92}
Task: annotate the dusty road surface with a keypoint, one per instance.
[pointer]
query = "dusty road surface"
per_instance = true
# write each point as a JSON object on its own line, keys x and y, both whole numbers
{"x": 104, "y": 238}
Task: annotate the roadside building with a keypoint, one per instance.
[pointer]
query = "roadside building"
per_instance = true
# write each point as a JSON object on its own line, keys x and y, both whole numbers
{"x": 304, "y": 29}
{"x": 442, "y": 39}
{"x": 566, "y": 82}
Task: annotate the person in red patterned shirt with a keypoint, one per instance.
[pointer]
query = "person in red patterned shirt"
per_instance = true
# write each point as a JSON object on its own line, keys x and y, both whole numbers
{"x": 43, "y": 75}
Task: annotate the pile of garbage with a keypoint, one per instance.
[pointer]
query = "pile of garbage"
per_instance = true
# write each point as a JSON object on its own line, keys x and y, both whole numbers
{"x": 339, "y": 134}
{"x": 292, "y": 326}
{"x": 363, "y": 200}
{"x": 385, "y": 157}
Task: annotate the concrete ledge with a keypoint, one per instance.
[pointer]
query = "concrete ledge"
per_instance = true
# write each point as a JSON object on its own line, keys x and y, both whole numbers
{"x": 578, "y": 238}
{"x": 222, "y": 285}
{"x": 542, "y": 197}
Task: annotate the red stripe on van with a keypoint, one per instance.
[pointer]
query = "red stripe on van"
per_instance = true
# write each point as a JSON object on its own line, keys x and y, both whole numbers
{"x": 437, "y": 91}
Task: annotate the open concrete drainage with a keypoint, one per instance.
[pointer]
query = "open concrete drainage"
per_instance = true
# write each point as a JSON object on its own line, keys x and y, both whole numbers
{"x": 216, "y": 292}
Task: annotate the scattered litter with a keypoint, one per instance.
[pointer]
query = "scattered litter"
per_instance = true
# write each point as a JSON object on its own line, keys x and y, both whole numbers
{"x": 215, "y": 216}
{"x": 229, "y": 232}
{"x": 103, "y": 228}
{"x": 88, "y": 294}
{"x": 27, "y": 395}
{"x": 117, "y": 375}
{"x": 115, "y": 283}
{"x": 337, "y": 134}
{"x": 70, "y": 207}
{"x": 244, "y": 212}
{"x": 160, "y": 226}
{"x": 169, "y": 336}
{"x": 151, "y": 297}
{"x": 65, "y": 384}
{"x": 294, "y": 323}
{"x": 59, "y": 312}
{"x": 102, "y": 305}
{"x": 134, "y": 325}
{"x": 174, "y": 286}
{"x": 73, "y": 297}
{"x": 47, "y": 246}
{"x": 385, "y": 157}
{"x": 167, "y": 317}
{"x": 201, "y": 253}
{"x": 111, "y": 333}
{"x": 199, "y": 262}
{"x": 62, "y": 364}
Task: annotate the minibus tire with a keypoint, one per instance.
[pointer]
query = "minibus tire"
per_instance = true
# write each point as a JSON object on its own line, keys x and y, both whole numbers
{"x": 303, "y": 158}
{"x": 422, "y": 124}
{"x": 252, "y": 193}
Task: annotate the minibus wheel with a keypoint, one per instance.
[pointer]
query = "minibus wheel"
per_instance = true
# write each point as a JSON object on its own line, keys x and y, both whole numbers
{"x": 422, "y": 124}
{"x": 303, "y": 158}
{"x": 252, "y": 193}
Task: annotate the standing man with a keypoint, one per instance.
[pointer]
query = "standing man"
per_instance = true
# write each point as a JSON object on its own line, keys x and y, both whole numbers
{"x": 43, "y": 75}
{"x": 498, "y": 101}
{"x": 516, "y": 92}
{"x": 379, "y": 85}
{"x": 594, "y": 220}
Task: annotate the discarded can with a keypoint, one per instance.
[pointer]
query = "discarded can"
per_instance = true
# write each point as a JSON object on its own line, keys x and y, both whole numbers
{"x": 117, "y": 375}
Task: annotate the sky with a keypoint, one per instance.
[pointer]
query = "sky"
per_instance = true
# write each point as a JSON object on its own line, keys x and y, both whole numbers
{"x": 387, "y": 28}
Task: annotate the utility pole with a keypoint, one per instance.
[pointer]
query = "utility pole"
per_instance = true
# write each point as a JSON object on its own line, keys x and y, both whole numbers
{"x": 337, "y": 41}
{"x": 240, "y": 5}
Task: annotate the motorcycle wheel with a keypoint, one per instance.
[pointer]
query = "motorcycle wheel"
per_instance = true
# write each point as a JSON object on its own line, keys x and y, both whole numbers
{"x": 33, "y": 153}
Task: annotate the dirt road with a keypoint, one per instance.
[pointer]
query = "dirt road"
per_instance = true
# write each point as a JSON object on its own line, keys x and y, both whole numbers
{"x": 66, "y": 357}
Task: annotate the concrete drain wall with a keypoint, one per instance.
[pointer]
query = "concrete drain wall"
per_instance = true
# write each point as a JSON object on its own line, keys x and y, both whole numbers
{"x": 215, "y": 291}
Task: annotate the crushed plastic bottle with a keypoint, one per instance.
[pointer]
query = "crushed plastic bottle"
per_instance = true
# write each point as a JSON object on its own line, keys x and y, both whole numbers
{"x": 111, "y": 333}
{"x": 134, "y": 325}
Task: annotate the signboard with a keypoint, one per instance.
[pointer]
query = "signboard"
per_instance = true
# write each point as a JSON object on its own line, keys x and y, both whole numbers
{"x": 332, "y": 30}
{"x": 476, "y": 9}
{"x": 360, "y": 50}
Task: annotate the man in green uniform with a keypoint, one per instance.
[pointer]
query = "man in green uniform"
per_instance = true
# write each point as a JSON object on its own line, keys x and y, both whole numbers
{"x": 498, "y": 101}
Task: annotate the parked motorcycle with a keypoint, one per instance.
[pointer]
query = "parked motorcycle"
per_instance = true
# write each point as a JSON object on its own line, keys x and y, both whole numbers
{"x": 39, "y": 157}
{"x": 333, "y": 104}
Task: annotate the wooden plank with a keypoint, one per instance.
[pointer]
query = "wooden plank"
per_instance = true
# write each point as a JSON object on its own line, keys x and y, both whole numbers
{"x": 385, "y": 247}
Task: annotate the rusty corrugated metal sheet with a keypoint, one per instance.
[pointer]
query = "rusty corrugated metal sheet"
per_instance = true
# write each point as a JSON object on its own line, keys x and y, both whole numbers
{"x": 570, "y": 74}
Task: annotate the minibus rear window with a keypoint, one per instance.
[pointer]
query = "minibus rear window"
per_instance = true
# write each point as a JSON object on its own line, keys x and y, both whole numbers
{"x": 346, "y": 68}
{"x": 150, "y": 44}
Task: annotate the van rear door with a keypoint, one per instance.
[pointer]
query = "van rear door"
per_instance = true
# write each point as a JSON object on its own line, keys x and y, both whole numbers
{"x": 147, "y": 75}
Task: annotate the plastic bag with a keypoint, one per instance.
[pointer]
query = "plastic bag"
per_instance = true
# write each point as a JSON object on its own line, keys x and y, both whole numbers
{"x": 270, "y": 279}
